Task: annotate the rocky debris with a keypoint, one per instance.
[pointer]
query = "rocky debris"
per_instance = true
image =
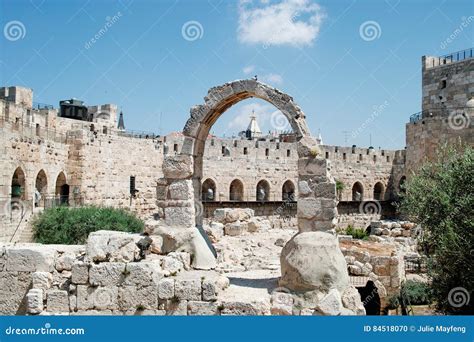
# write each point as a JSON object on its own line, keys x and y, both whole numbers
{"x": 112, "y": 246}
{"x": 329, "y": 305}
{"x": 229, "y": 215}
{"x": 351, "y": 300}
{"x": 313, "y": 261}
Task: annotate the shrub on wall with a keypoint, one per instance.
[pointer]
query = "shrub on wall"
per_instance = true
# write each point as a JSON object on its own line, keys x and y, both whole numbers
{"x": 63, "y": 225}
{"x": 356, "y": 233}
{"x": 440, "y": 196}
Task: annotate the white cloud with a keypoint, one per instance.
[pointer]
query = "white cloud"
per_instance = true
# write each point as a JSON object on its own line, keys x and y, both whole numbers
{"x": 248, "y": 69}
{"x": 272, "y": 79}
{"x": 287, "y": 22}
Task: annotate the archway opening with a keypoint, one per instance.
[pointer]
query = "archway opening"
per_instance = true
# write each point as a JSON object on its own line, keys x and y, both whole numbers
{"x": 288, "y": 191}
{"x": 208, "y": 191}
{"x": 18, "y": 185}
{"x": 236, "y": 190}
{"x": 370, "y": 298}
{"x": 357, "y": 192}
{"x": 379, "y": 191}
{"x": 62, "y": 189}
{"x": 41, "y": 185}
{"x": 402, "y": 185}
{"x": 263, "y": 191}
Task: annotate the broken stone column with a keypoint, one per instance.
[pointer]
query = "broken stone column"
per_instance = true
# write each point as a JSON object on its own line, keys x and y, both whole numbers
{"x": 312, "y": 262}
{"x": 177, "y": 197}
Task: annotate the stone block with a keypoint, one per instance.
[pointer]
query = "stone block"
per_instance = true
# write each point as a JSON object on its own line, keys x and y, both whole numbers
{"x": 198, "y": 308}
{"x": 107, "y": 274}
{"x": 57, "y": 301}
{"x": 178, "y": 166}
{"x": 30, "y": 259}
{"x": 80, "y": 273}
{"x": 176, "y": 307}
{"x": 98, "y": 298}
{"x": 188, "y": 289}
{"x": 166, "y": 288}
{"x": 112, "y": 246}
{"x": 133, "y": 297}
{"x": 235, "y": 228}
{"x": 331, "y": 304}
{"x": 65, "y": 262}
{"x": 253, "y": 308}
{"x": 34, "y": 301}
{"x": 183, "y": 217}
{"x": 143, "y": 273}
{"x": 172, "y": 266}
{"x": 41, "y": 280}
{"x": 209, "y": 289}
{"x": 181, "y": 190}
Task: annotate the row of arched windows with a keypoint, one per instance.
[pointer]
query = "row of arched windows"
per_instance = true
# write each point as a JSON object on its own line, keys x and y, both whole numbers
{"x": 236, "y": 191}
{"x": 379, "y": 190}
{"x": 19, "y": 188}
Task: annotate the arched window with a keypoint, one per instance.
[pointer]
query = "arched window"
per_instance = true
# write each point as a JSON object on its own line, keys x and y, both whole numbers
{"x": 263, "y": 191}
{"x": 236, "y": 190}
{"x": 401, "y": 184}
{"x": 357, "y": 192}
{"x": 288, "y": 191}
{"x": 41, "y": 188}
{"x": 379, "y": 191}
{"x": 208, "y": 192}
{"x": 18, "y": 186}
{"x": 62, "y": 189}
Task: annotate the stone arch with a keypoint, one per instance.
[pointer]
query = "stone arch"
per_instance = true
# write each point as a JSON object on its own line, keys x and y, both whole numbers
{"x": 41, "y": 186}
{"x": 236, "y": 190}
{"x": 379, "y": 191}
{"x": 209, "y": 190}
{"x": 217, "y": 101}
{"x": 288, "y": 191}
{"x": 262, "y": 191}
{"x": 62, "y": 189}
{"x": 18, "y": 185}
{"x": 357, "y": 192}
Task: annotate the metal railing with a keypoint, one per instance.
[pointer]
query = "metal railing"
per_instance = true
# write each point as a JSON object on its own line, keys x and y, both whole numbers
{"x": 58, "y": 201}
{"x": 138, "y": 134}
{"x": 439, "y": 112}
{"x": 452, "y": 57}
{"x": 39, "y": 106}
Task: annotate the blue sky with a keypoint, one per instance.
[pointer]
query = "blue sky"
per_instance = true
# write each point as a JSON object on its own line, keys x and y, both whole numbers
{"x": 352, "y": 66}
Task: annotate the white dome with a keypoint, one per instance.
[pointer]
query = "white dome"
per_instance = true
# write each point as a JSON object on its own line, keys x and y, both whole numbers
{"x": 470, "y": 103}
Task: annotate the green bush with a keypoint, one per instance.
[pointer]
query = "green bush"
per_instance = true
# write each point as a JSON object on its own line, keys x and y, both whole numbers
{"x": 440, "y": 196}
{"x": 411, "y": 293}
{"x": 356, "y": 233}
{"x": 70, "y": 226}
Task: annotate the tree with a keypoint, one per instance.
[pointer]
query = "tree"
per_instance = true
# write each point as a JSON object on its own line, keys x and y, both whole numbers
{"x": 440, "y": 196}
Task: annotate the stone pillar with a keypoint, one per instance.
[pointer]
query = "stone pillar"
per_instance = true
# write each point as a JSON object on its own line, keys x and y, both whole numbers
{"x": 312, "y": 262}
